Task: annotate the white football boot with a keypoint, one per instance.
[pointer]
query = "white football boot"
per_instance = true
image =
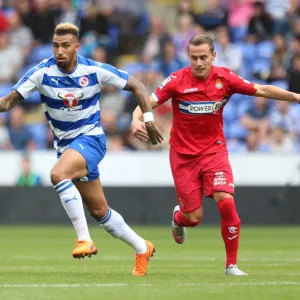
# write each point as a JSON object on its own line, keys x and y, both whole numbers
{"x": 233, "y": 270}
{"x": 178, "y": 232}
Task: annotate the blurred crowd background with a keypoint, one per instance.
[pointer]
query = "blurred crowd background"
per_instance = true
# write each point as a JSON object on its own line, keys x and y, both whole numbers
{"x": 260, "y": 40}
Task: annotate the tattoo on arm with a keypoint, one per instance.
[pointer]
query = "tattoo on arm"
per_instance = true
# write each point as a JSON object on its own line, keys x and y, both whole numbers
{"x": 9, "y": 101}
{"x": 140, "y": 93}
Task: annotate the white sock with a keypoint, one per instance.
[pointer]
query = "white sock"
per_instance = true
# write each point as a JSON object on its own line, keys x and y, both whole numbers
{"x": 115, "y": 225}
{"x": 72, "y": 203}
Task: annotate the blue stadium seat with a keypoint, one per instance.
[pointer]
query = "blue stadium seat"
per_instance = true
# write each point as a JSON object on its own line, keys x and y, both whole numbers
{"x": 40, "y": 53}
{"x": 5, "y": 88}
{"x": 25, "y": 69}
{"x": 249, "y": 51}
{"x": 238, "y": 34}
{"x": 280, "y": 83}
{"x": 229, "y": 112}
{"x": 113, "y": 33}
{"x": 265, "y": 49}
{"x": 143, "y": 25}
{"x": 39, "y": 134}
{"x": 237, "y": 131}
{"x": 261, "y": 65}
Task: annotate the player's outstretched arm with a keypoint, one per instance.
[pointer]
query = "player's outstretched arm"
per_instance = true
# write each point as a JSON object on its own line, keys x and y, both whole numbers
{"x": 141, "y": 94}
{"x": 274, "y": 92}
{"x": 9, "y": 101}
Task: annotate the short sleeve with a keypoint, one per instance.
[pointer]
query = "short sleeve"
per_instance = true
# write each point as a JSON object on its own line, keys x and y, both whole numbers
{"x": 28, "y": 83}
{"x": 240, "y": 85}
{"x": 110, "y": 75}
{"x": 166, "y": 90}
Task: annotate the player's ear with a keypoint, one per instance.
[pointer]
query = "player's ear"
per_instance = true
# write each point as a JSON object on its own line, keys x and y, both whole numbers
{"x": 77, "y": 47}
{"x": 214, "y": 55}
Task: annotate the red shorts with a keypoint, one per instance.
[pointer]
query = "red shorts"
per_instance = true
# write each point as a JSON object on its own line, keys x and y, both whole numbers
{"x": 211, "y": 172}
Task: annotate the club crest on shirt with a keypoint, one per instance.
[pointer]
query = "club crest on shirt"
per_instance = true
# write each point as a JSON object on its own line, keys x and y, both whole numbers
{"x": 219, "y": 84}
{"x": 70, "y": 101}
{"x": 83, "y": 81}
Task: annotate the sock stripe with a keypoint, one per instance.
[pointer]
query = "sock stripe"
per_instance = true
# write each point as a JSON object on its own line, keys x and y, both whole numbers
{"x": 106, "y": 217}
{"x": 65, "y": 187}
{"x": 59, "y": 185}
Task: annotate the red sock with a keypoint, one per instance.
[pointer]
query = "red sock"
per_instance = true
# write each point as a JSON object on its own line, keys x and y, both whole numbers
{"x": 181, "y": 220}
{"x": 230, "y": 228}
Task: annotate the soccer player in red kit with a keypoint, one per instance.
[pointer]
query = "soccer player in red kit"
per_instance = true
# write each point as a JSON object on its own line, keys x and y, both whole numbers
{"x": 198, "y": 153}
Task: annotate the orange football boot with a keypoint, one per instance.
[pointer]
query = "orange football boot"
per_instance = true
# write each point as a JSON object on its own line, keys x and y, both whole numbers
{"x": 142, "y": 260}
{"x": 84, "y": 248}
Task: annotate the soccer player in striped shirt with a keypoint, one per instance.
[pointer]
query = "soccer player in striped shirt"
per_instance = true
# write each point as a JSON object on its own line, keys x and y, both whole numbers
{"x": 70, "y": 87}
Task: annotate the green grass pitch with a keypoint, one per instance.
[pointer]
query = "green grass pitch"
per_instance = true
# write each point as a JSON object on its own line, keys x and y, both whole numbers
{"x": 36, "y": 264}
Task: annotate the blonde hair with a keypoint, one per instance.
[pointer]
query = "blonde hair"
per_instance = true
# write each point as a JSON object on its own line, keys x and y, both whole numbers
{"x": 67, "y": 28}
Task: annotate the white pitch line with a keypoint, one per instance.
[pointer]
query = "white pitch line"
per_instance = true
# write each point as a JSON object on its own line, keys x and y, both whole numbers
{"x": 80, "y": 285}
{"x": 164, "y": 258}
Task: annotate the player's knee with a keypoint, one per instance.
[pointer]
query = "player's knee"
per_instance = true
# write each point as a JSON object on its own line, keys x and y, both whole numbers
{"x": 195, "y": 217}
{"x": 98, "y": 213}
{"x": 57, "y": 176}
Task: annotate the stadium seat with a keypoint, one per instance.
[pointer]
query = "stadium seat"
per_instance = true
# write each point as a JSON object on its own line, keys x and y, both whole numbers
{"x": 5, "y": 88}
{"x": 280, "y": 83}
{"x": 238, "y": 34}
{"x": 265, "y": 49}
{"x": 237, "y": 131}
{"x": 25, "y": 69}
{"x": 143, "y": 25}
{"x": 40, "y": 53}
{"x": 39, "y": 134}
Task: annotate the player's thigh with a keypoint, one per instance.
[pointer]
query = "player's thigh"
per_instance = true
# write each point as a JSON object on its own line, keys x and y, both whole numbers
{"x": 71, "y": 165}
{"x": 218, "y": 176}
{"x": 88, "y": 151}
{"x": 185, "y": 170}
{"x": 93, "y": 196}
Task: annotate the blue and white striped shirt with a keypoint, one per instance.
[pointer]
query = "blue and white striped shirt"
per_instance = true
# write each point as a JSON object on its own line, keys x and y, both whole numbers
{"x": 71, "y": 100}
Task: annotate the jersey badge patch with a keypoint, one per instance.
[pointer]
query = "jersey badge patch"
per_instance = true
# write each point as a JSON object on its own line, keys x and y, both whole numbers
{"x": 219, "y": 84}
{"x": 83, "y": 81}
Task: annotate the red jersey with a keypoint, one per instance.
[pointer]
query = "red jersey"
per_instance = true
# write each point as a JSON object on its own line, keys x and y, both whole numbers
{"x": 198, "y": 106}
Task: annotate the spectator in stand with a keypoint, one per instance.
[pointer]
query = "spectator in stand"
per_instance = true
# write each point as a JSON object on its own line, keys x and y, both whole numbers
{"x": 294, "y": 75}
{"x": 278, "y": 11}
{"x": 281, "y": 141}
{"x": 168, "y": 61}
{"x": 67, "y": 13}
{"x": 254, "y": 143}
{"x": 285, "y": 115}
{"x": 155, "y": 38}
{"x": 213, "y": 16}
{"x": 240, "y": 13}
{"x": 280, "y": 59}
{"x": 257, "y": 118}
{"x": 4, "y": 134}
{"x": 19, "y": 35}
{"x": 261, "y": 24}
{"x": 228, "y": 55}
{"x": 27, "y": 178}
{"x": 41, "y": 21}
{"x": 20, "y": 137}
{"x": 185, "y": 31}
{"x": 11, "y": 60}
